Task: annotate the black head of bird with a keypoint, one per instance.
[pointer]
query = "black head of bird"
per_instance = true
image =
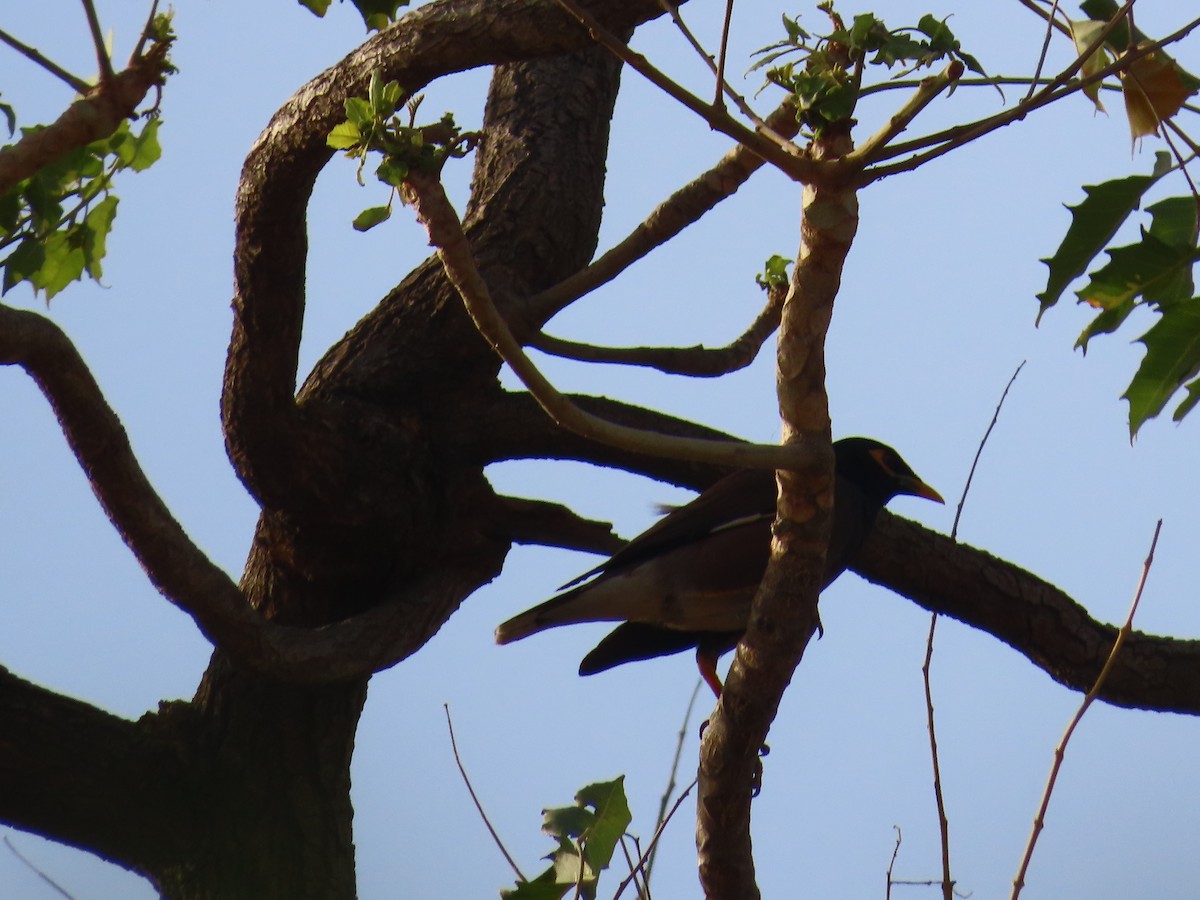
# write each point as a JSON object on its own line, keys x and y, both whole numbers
{"x": 689, "y": 580}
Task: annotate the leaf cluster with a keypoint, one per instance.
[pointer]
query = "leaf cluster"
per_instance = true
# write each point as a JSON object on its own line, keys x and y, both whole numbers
{"x": 587, "y": 835}
{"x": 1156, "y": 272}
{"x": 55, "y": 224}
{"x": 826, "y": 79}
{"x": 372, "y": 126}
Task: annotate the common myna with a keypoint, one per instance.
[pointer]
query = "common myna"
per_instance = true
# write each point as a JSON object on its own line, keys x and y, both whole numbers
{"x": 688, "y": 581}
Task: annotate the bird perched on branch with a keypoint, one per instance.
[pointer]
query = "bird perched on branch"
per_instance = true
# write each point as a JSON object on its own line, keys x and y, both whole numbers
{"x": 688, "y": 581}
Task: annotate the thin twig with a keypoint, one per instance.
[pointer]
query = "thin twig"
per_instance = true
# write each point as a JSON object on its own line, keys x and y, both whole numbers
{"x": 425, "y": 193}
{"x": 140, "y": 47}
{"x": 719, "y": 100}
{"x": 76, "y": 83}
{"x": 786, "y": 159}
{"x": 102, "y": 60}
{"x": 951, "y": 138}
{"x": 927, "y": 90}
{"x": 654, "y": 841}
{"x": 1037, "y": 72}
{"x": 666, "y": 797}
{"x": 939, "y": 796}
{"x": 1039, "y": 820}
{"x": 475, "y": 799}
{"x": 979, "y": 452}
{"x": 38, "y": 872}
{"x": 892, "y": 863}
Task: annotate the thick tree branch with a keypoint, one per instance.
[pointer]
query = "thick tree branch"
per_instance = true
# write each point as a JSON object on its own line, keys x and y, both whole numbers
{"x": 553, "y": 525}
{"x": 283, "y": 456}
{"x": 73, "y": 773}
{"x": 698, "y": 362}
{"x": 1034, "y": 618}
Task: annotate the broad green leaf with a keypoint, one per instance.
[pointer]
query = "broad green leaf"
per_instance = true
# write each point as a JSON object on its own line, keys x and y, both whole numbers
{"x": 370, "y": 217}
{"x": 10, "y": 211}
{"x": 63, "y": 264}
{"x": 23, "y": 262}
{"x": 612, "y": 817}
{"x": 1189, "y": 402}
{"x": 392, "y": 172}
{"x": 1172, "y": 359}
{"x": 358, "y": 111}
{"x": 146, "y": 147}
{"x": 99, "y": 224}
{"x": 317, "y": 7}
{"x": 1150, "y": 268}
{"x": 1093, "y": 223}
{"x": 545, "y": 887}
{"x": 344, "y": 136}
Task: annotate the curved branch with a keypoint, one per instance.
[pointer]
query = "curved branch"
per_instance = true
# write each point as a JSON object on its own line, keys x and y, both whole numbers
{"x": 424, "y": 192}
{"x": 281, "y": 456}
{"x": 180, "y": 571}
{"x": 699, "y": 361}
{"x": 1033, "y": 617}
{"x": 684, "y": 207}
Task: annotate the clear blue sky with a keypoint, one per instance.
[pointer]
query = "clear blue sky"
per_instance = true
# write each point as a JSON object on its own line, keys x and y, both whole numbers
{"x": 936, "y": 312}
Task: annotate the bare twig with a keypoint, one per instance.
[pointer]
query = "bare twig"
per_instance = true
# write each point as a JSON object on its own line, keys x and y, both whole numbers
{"x": 102, "y": 60}
{"x": 654, "y": 840}
{"x": 435, "y": 212}
{"x": 73, "y": 81}
{"x": 939, "y": 797}
{"x": 475, "y": 799}
{"x": 945, "y": 141}
{"x": 12, "y": 848}
{"x": 1037, "y": 72}
{"x": 719, "y": 100}
{"x": 786, "y": 159}
{"x": 666, "y": 797}
{"x": 892, "y": 863}
{"x": 927, "y": 90}
{"x": 1039, "y": 820}
{"x": 979, "y": 451}
{"x": 699, "y": 361}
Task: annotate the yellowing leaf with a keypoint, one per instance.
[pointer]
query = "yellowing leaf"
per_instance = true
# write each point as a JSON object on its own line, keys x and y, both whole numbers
{"x": 1154, "y": 91}
{"x": 1084, "y": 34}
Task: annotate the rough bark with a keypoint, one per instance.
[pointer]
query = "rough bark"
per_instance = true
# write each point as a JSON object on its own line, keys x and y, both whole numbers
{"x": 376, "y": 512}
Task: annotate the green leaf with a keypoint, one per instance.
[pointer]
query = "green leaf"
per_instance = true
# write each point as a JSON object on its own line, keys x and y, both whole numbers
{"x": 378, "y": 14}
{"x": 316, "y": 7}
{"x": 146, "y": 149}
{"x": 344, "y": 136}
{"x": 1093, "y": 223}
{"x": 612, "y": 817}
{"x": 10, "y": 116}
{"x": 23, "y": 262}
{"x": 372, "y": 216}
{"x": 392, "y": 172}
{"x": 358, "y": 111}
{"x": 545, "y": 887}
{"x": 1172, "y": 359}
{"x": 99, "y": 224}
{"x": 63, "y": 264}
